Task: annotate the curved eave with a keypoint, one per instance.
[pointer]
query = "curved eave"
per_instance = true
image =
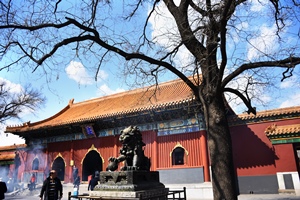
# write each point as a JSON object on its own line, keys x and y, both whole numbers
{"x": 26, "y": 125}
{"x": 7, "y": 157}
{"x": 13, "y": 147}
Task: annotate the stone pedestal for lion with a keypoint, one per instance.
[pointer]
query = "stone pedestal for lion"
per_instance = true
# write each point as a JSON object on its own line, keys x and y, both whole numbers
{"x": 130, "y": 184}
{"x": 135, "y": 180}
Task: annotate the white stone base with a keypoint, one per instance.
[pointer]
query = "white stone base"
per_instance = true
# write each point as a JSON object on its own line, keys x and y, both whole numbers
{"x": 195, "y": 191}
{"x": 130, "y": 194}
{"x": 295, "y": 178}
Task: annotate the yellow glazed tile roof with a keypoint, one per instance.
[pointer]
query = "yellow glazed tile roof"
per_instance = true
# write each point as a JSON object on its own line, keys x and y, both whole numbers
{"x": 134, "y": 101}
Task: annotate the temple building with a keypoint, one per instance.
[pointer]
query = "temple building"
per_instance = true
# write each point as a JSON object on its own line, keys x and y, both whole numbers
{"x": 266, "y": 146}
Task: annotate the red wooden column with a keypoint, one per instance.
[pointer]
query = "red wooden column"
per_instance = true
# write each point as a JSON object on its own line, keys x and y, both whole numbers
{"x": 116, "y": 153}
{"x": 154, "y": 152}
{"x": 204, "y": 155}
{"x": 71, "y": 159}
{"x": 46, "y": 162}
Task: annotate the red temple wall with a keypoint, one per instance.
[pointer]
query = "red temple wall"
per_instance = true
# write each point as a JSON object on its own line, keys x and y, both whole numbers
{"x": 253, "y": 153}
{"x": 158, "y": 149}
{"x": 149, "y": 138}
{"x": 189, "y": 141}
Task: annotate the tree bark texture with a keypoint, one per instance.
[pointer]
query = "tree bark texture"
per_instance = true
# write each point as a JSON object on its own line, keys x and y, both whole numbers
{"x": 220, "y": 150}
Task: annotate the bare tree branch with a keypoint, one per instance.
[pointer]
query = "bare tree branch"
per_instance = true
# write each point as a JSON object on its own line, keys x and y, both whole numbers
{"x": 289, "y": 62}
{"x": 13, "y": 104}
{"x": 246, "y": 101}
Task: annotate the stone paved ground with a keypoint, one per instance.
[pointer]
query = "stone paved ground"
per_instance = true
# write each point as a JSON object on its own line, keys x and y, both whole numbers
{"x": 83, "y": 189}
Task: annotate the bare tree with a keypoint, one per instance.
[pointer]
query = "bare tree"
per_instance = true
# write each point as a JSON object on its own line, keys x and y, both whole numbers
{"x": 17, "y": 100}
{"x": 43, "y": 32}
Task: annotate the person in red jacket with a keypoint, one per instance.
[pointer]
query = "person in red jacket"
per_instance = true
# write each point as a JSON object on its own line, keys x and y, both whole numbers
{"x": 31, "y": 184}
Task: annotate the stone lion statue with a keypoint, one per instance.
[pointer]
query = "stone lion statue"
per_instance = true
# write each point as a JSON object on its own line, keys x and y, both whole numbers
{"x": 132, "y": 152}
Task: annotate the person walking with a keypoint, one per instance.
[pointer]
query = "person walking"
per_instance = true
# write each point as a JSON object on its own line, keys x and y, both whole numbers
{"x": 52, "y": 187}
{"x": 3, "y": 189}
{"x": 75, "y": 173}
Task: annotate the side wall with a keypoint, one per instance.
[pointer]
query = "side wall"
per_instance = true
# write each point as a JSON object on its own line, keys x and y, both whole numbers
{"x": 257, "y": 161}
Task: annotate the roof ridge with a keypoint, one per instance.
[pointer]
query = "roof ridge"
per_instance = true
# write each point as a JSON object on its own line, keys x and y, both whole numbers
{"x": 129, "y": 92}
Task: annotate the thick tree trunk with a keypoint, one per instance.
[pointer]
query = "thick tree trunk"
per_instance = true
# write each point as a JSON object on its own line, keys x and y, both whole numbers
{"x": 220, "y": 148}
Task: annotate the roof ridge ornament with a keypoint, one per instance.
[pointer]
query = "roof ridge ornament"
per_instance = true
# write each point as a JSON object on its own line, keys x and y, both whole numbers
{"x": 26, "y": 123}
{"x": 271, "y": 129}
{"x": 71, "y": 102}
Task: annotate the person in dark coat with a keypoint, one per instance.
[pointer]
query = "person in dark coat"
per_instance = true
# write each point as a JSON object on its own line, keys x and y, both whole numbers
{"x": 77, "y": 181}
{"x": 75, "y": 173}
{"x": 52, "y": 188}
{"x": 93, "y": 182}
{"x": 3, "y": 189}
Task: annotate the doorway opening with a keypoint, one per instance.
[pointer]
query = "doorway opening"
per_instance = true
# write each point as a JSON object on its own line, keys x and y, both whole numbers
{"x": 59, "y": 167}
{"x": 91, "y": 163}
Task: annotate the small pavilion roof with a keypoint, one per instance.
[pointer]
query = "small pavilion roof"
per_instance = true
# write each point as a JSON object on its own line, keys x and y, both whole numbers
{"x": 283, "y": 134}
{"x": 275, "y": 130}
{"x": 134, "y": 101}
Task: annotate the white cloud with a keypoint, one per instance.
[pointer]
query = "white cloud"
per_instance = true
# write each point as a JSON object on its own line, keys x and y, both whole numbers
{"x": 264, "y": 44}
{"x": 292, "y": 100}
{"x": 104, "y": 90}
{"x": 7, "y": 139}
{"x": 76, "y": 71}
{"x": 13, "y": 87}
{"x": 258, "y": 5}
{"x": 164, "y": 27}
{"x": 290, "y": 82}
{"x": 166, "y": 34}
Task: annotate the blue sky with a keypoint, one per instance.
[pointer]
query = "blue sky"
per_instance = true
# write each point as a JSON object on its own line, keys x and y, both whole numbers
{"x": 73, "y": 79}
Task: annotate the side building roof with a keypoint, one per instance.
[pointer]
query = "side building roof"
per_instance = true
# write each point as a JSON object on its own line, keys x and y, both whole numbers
{"x": 265, "y": 116}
